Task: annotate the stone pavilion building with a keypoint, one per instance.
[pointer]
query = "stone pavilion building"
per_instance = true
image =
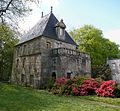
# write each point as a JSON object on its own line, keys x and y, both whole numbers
{"x": 46, "y": 52}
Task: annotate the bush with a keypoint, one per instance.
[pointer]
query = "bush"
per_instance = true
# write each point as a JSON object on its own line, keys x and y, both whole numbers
{"x": 75, "y": 91}
{"x": 85, "y": 86}
{"x": 50, "y": 83}
{"x": 117, "y": 91}
{"x": 106, "y": 89}
{"x": 76, "y": 86}
{"x": 64, "y": 86}
{"x": 61, "y": 81}
{"x": 101, "y": 71}
{"x": 89, "y": 87}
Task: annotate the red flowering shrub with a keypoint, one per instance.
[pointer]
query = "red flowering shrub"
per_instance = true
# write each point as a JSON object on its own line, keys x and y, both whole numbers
{"x": 61, "y": 81}
{"x": 82, "y": 86}
{"x": 75, "y": 91}
{"x": 106, "y": 89}
{"x": 76, "y": 86}
{"x": 89, "y": 87}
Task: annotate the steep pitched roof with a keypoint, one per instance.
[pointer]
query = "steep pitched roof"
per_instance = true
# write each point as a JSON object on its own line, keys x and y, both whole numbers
{"x": 46, "y": 27}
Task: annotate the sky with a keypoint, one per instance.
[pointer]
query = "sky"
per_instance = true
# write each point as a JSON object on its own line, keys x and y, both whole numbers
{"x": 102, "y": 14}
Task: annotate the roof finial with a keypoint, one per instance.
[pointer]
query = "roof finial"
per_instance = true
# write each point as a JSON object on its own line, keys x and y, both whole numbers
{"x": 42, "y": 15}
{"x": 51, "y": 9}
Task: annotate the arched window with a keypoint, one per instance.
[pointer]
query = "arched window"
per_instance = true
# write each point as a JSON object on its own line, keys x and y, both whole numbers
{"x": 48, "y": 45}
{"x": 68, "y": 75}
{"x": 54, "y": 76}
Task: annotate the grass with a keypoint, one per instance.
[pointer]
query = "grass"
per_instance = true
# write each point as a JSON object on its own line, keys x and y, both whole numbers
{"x": 16, "y": 98}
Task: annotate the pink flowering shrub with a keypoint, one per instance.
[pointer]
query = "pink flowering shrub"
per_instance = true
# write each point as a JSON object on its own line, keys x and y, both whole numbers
{"x": 89, "y": 87}
{"x": 61, "y": 81}
{"x": 106, "y": 89}
{"x": 75, "y": 91}
{"x": 85, "y": 86}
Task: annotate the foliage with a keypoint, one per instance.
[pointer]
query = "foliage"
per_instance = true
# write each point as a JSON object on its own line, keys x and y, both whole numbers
{"x": 88, "y": 86}
{"x": 117, "y": 91}
{"x": 91, "y": 40}
{"x": 106, "y": 89}
{"x": 12, "y": 10}
{"x": 61, "y": 81}
{"x": 78, "y": 80}
{"x": 75, "y": 91}
{"x": 25, "y": 99}
{"x": 102, "y": 71}
{"x": 76, "y": 86}
{"x": 7, "y": 43}
{"x": 50, "y": 83}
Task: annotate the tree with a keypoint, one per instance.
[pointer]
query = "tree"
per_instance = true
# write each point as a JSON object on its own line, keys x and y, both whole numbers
{"x": 7, "y": 43}
{"x": 11, "y": 10}
{"x": 91, "y": 40}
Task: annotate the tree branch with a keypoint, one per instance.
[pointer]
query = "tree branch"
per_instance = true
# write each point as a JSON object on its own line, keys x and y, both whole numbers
{"x": 4, "y": 10}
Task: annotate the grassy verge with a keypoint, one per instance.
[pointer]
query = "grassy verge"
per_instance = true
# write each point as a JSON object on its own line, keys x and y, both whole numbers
{"x": 16, "y": 98}
{"x": 112, "y": 101}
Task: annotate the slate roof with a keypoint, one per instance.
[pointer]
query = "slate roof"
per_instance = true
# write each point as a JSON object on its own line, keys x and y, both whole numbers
{"x": 46, "y": 27}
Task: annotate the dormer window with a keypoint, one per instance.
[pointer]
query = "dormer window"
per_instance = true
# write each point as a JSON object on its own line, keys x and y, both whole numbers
{"x": 60, "y": 29}
{"x": 62, "y": 32}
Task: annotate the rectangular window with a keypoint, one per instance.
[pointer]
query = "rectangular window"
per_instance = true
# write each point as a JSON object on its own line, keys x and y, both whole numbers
{"x": 84, "y": 63}
{"x": 54, "y": 60}
{"x": 22, "y": 78}
{"x": 61, "y": 32}
{"x": 18, "y": 50}
{"x": 31, "y": 79}
{"x": 24, "y": 50}
{"x": 17, "y": 63}
{"x": 24, "y": 59}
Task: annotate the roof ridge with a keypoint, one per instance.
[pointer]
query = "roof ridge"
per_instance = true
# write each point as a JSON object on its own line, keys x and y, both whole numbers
{"x": 46, "y": 15}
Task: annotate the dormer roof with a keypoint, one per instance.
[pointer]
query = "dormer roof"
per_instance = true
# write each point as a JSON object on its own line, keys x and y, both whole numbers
{"x": 46, "y": 28}
{"x": 61, "y": 24}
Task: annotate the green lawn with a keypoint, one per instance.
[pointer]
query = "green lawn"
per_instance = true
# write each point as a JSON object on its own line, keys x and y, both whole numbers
{"x": 16, "y": 98}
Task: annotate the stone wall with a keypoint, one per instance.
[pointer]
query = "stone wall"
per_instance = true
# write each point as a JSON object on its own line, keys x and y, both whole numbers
{"x": 27, "y": 64}
{"x": 70, "y": 61}
{"x": 115, "y": 69}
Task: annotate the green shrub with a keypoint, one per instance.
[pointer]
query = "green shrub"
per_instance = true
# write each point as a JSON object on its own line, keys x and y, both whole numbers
{"x": 101, "y": 71}
{"x": 50, "y": 84}
{"x": 117, "y": 91}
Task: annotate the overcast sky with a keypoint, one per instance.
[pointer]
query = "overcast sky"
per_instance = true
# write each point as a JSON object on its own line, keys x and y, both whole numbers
{"x": 103, "y": 14}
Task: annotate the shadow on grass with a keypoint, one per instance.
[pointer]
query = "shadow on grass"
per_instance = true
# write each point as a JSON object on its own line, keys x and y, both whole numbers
{"x": 16, "y": 98}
